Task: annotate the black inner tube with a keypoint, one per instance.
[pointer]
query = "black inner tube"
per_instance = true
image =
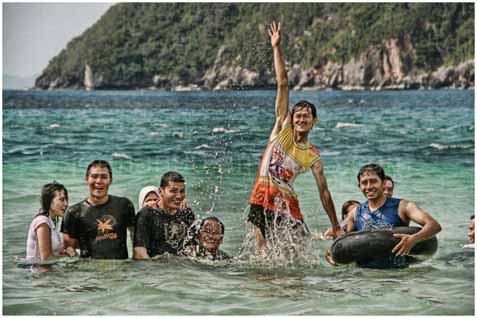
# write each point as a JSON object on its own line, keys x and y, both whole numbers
{"x": 364, "y": 246}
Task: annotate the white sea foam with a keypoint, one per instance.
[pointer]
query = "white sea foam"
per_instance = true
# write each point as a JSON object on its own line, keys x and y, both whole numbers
{"x": 163, "y": 125}
{"x": 203, "y": 146}
{"x": 154, "y": 133}
{"x": 53, "y": 126}
{"x": 120, "y": 156}
{"x": 446, "y": 147}
{"x": 223, "y": 130}
{"x": 346, "y": 125}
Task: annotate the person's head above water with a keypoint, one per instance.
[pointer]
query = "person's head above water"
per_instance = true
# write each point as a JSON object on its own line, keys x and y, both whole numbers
{"x": 99, "y": 177}
{"x": 54, "y": 199}
{"x": 210, "y": 234}
{"x": 303, "y": 116}
{"x": 388, "y": 185}
{"x": 472, "y": 229}
{"x": 100, "y": 164}
{"x": 172, "y": 191}
{"x": 370, "y": 181}
{"x": 149, "y": 196}
{"x": 347, "y": 207}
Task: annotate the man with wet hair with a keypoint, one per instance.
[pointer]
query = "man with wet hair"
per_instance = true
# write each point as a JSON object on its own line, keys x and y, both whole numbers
{"x": 380, "y": 212}
{"x": 388, "y": 186}
{"x": 273, "y": 200}
{"x": 164, "y": 229}
{"x": 98, "y": 224}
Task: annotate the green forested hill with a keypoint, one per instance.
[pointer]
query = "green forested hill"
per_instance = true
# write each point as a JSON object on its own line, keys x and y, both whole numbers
{"x": 138, "y": 45}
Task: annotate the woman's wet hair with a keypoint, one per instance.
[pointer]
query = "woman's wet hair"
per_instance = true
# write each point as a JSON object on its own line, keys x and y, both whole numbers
{"x": 48, "y": 194}
{"x": 101, "y": 164}
{"x": 171, "y": 176}
{"x": 373, "y": 168}
{"x": 304, "y": 104}
{"x": 346, "y": 205}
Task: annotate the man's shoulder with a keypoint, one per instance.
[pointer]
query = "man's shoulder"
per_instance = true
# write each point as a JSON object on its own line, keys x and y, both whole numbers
{"x": 117, "y": 199}
{"x": 147, "y": 212}
{"x": 315, "y": 151}
{"x": 393, "y": 202}
{"x": 77, "y": 207}
{"x": 186, "y": 213}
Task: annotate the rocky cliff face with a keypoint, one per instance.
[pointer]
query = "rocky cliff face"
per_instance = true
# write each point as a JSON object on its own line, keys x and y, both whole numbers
{"x": 379, "y": 67}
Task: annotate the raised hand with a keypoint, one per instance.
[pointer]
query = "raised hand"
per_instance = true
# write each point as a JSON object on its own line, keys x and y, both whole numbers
{"x": 274, "y": 33}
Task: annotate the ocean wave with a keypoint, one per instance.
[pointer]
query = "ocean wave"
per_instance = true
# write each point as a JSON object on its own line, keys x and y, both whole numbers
{"x": 178, "y": 134}
{"x": 53, "y": 126}
{"x": 154, "y": 133}
{"x": 223, "y": 130}
{"x": 203, "y": 146}
{"x": 346, "y": 125}
{"x": 120, "y": 156}
{"x": 447, "y": 147}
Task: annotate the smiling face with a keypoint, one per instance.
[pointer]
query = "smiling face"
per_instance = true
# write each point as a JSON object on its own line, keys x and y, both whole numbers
{"x": 58, "y": 204}
{"x": 172, "y": 196}
{"x": 210, "y": 235}
{"x": 388, "y": 188}
{"x": 303, "y": 120}
{"x": 371, "y": 186}
{"x": 98, "y": 181}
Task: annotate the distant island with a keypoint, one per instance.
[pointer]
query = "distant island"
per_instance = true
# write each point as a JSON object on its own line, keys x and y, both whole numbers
{"x": 213, "y": 46}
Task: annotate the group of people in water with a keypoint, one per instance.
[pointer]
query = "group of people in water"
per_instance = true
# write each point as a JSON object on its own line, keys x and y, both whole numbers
{"x": 98, "y": 225}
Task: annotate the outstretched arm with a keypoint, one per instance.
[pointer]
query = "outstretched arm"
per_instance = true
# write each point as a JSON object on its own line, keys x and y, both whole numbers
{"x": 282, "y": 114}
{"x": 325, "y": 197}
{"x": 409, "y": 210}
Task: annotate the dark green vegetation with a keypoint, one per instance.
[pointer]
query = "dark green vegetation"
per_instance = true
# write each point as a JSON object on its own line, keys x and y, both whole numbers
{"x": 133, "y": 42}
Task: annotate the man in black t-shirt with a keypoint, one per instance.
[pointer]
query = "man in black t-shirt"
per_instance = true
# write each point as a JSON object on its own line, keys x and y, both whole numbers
{"x": 165, "y": 228}
{"x": 98, "y": 225}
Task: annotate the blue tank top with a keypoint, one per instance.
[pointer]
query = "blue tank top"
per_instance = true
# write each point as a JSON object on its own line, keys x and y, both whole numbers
{"x": 384, "y": 218}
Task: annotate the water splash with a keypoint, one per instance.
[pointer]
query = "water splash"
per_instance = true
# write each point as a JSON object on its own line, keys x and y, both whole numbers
{"x": 287, "y": 246}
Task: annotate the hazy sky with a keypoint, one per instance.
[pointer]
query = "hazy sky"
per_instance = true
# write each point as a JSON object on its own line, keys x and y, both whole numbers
{"x": 33, "y": 33}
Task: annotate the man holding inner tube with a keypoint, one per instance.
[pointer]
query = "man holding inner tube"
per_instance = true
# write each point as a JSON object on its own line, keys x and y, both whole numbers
{"x": 380, "y": 212}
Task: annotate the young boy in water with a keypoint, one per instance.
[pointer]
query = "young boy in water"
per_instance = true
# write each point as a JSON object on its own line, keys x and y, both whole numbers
{"x": 273, "y": 200}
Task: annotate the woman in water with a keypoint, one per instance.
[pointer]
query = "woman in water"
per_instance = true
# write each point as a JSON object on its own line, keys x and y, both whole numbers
{"x": 44, "y": 240}
{"x": 149, "y": 196}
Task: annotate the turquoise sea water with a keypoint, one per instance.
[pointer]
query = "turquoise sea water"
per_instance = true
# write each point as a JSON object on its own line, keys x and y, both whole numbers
{"x": 423, "y": 139}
